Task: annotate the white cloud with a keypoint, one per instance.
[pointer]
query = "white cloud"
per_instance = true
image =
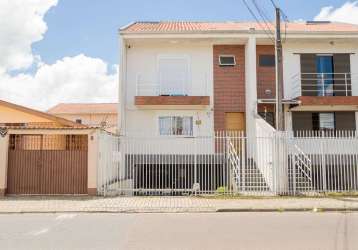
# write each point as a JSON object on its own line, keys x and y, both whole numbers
{"x": 347, "y": 13}
{"x": 70, "y": 79}
{"x": 21, "y": 24}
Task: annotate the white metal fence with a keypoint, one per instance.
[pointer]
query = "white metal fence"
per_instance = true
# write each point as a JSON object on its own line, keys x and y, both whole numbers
{"x": 226, "y": 163}
{"x": 171, "y": 87}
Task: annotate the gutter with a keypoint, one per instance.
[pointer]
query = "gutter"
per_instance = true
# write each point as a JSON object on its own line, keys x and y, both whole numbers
{"x": 306, "y": 34}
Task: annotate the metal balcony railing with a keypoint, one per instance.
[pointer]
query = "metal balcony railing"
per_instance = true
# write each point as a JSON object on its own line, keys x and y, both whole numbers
{"x": 179, "y": 86}
{"x": 322, "y": 84}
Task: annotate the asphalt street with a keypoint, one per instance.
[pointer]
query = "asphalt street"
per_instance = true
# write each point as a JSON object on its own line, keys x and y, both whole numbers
{"x": 286, "y": 230}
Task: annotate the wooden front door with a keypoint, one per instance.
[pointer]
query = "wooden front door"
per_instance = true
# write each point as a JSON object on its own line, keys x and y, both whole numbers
{"x": 235, "y": 121}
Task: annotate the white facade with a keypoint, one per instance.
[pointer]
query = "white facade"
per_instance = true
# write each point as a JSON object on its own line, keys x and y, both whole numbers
{"x": 142, "y": 55}
{"x": 143, "y": 75}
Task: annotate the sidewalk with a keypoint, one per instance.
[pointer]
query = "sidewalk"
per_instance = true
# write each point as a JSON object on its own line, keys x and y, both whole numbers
{"x": 172, "y": 204}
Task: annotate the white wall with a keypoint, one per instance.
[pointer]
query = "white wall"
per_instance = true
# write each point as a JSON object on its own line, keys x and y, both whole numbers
{"x": 291, "y": 59}
{"x": 146, "y": 123}
{"x": 142, "y": 57}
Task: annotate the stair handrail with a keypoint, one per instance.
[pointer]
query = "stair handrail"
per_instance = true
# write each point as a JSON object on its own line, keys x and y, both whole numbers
{"x": 304, "y": 163}
{"x": 234, "y": 159}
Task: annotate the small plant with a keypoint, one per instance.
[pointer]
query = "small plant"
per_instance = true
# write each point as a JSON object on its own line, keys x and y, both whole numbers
{"x": 221, "y": 190}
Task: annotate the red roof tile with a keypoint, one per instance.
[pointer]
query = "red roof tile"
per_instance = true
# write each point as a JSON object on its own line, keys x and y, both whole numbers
{"x": 184, "y": 27}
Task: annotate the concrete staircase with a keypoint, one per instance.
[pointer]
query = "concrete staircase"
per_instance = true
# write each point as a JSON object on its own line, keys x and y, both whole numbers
{"x": 246, "y": 177}
{"x": 299, "y": 171}
{"x": 251, "y": 178}
{"x": 298, "y": 182}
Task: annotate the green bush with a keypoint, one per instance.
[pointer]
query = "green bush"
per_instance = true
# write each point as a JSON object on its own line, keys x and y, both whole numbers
{"x": 221, "y": 190}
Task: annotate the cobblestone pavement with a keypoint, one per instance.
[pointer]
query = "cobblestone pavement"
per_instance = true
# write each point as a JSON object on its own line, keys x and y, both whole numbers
{"x": 170, "y": 204}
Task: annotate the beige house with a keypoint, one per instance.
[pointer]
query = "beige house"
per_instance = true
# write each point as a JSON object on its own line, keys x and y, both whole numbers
{"x": 102, "y": 115}
{"x": 43, "y": 154}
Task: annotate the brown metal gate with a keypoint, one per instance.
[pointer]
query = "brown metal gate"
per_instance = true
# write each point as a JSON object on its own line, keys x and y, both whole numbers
{"x": 47, "y": 164}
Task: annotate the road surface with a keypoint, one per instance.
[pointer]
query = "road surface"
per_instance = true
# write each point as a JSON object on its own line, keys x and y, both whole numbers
{"x": 207, "y": 231}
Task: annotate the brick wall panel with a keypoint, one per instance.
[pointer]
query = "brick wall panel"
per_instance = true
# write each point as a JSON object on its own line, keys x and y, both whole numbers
{"x": 266, "y": 76}
{"x": 229, "y": 83}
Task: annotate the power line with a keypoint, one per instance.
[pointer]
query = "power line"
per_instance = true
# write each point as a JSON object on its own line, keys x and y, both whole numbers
{"x": 269, "y": 32}
{"x": 273, "y": 3}
{"x": 283, "y": 16}
{"x": 263, "y": 15}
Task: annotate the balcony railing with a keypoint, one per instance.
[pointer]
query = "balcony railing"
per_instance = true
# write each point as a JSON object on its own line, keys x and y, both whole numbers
{"x": 322, "y": 84}
{"x": 171, "y": 87}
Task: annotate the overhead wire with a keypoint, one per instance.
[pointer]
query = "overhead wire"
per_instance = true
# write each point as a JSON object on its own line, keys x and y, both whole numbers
{"x": 267, "y": 31}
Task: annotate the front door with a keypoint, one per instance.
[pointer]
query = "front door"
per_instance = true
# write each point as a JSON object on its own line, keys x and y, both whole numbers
{"x": 234, "y": 125}
{"x": 235, "y": 121}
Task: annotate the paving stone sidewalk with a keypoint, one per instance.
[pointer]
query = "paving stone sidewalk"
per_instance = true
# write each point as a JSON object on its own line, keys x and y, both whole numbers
{"x": 172, "y": 204}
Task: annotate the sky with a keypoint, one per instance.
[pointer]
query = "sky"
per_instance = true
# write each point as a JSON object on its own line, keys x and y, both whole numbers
{"x": 67, "y": 50}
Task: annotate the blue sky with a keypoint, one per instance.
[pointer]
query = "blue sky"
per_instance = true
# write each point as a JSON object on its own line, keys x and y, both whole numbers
{"x": 90, "y": 26}
{"x": 67, "y": 50}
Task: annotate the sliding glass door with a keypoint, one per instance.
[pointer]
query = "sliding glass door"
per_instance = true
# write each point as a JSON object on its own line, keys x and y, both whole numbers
{"x": 325, "y": 75}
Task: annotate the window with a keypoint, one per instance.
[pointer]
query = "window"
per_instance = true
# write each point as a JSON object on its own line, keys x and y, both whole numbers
{"x": 176, "y": 125}
{"x": 323, "y": 121}
{"x": 267, "y": 60}
{"x": 227, "y": 60}
{"x": 79, "y": 121}
{"x": 325, "y": 73}
{"x": 173, "y": 75}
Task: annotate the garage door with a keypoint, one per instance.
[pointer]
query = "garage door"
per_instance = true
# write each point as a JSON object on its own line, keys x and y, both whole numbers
{"x": 47, "y": 164}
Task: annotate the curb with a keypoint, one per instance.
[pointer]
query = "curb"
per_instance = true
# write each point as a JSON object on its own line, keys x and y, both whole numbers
{"x": 173, "y": 211}
{"x": 271, "y": 210}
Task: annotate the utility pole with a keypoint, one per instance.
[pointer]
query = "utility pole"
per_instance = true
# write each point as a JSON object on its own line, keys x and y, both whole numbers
{"x": 279, "y": 74}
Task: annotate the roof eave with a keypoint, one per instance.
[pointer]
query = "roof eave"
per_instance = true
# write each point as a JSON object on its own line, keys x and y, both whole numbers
{"x": 294, "y": 34}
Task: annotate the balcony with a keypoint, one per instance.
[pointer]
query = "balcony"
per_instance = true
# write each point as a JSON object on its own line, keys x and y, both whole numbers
{"x": 171, "y": 92}
{"x": 322, "y": 84}
{"x": 324, "y": 89}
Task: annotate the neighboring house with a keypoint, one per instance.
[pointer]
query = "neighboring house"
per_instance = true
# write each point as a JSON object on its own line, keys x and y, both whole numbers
{"x": 44, "y": 154}
{"x": 13, "y": 115}
{"x": 194, "y": 78}
{"x": 102, "y": 115}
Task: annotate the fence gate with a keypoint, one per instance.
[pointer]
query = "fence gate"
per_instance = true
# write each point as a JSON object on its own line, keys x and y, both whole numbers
{"x": 47, "y": 164}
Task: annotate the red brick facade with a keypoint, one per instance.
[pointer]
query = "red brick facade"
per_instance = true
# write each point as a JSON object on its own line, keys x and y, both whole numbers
{"x": 266, "y": 76}
{"x": 229, "y": 83}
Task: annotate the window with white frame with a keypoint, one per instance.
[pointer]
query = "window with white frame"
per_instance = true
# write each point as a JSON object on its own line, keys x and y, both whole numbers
{"x": 227, "y": 60}
{"x": 326, "y": 121}
{"x": 176, "y": 125}
{"x": 323, "y": 121}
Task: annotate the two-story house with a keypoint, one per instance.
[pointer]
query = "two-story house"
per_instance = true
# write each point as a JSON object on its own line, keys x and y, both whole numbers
{"x": 182, "y": 82}
{"x": 194, "y": 78}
